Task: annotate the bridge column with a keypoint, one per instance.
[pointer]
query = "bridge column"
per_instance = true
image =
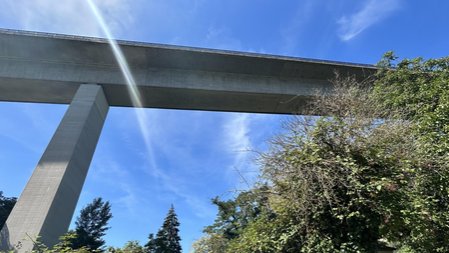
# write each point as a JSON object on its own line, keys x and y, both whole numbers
{"x": 45, "y": 207}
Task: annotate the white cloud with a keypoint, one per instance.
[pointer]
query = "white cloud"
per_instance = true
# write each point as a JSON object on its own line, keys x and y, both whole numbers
{"x": 155, "y": 128}
{"x": 371, "y": 13}
{"x": 245, "y": 136}
{"x": 68, "y": 16}
{"x": 238, "y": 144}
{"x": 107, "y": 171}
{"x": 237, "y": 136}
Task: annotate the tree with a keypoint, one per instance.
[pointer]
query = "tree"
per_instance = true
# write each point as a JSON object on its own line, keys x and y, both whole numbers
{"x": 64, "y": 246}
{"x": 150, "y": 247}
{"x": 421, "y": 89}
{"x": 211, "y": 243}
{"x": 333, "y": 180}
{"x": 235, "y": 214}
{"x": 129, "y": 247}
{"x": 233, "y": 218}
{"x": 374, "y": 171}
{"x": 6, "y": 206}
{"x": 167, "y": 238}
{"x": 92, "y": 225}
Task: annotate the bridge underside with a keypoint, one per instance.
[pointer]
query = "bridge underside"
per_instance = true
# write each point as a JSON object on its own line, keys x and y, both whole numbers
{"x": 48, "y": 68}
{"x": 82, "y": 72}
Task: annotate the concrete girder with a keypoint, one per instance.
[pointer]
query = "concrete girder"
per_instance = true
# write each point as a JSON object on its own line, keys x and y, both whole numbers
{"x": 48, "y": 68}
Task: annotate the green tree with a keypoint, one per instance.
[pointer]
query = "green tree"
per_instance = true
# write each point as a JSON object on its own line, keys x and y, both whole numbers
{"x": 129, "y": 247}
{"x": 421, "y": 89}
{"x": 6, "y": 206}
{"x": 150, "y": 246}
{"x": 210, "y": 243}
{"x": 64, "y": 246}
{"x": 167, "y": 238}
{"x": 335, "y": 180}
{"x": 235, "y": 214}
{"x": 92, "y": 225}
{"x": 374, "y": 171}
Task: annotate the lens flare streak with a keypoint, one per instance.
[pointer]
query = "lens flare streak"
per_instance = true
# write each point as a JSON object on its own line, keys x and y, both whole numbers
{"x": 136, "y": 97}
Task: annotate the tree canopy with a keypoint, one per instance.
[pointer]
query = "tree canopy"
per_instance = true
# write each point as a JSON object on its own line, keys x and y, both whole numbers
{"x": 92, "y": 225}
{"x": 167, "y": 238}
{"x": 372, "y": 173}
{"x": 129, "y": 247}
{"x": 6, "y": 206}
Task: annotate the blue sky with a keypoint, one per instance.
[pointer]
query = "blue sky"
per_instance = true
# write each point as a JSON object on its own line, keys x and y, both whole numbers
{"x": 188, "y": 157}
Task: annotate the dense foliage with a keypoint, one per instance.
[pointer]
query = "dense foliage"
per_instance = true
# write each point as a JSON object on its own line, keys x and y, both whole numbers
{"x": 130, "y": 247}
{"x": 6, "y": 206}
{"x": 167, "y": 238}
{"x": 235, "y": 214}
{"x": 150, "y": 246}
{"x": 422, "y": 89}
{"x": 91, "y": 226}
{"x": 374, "y": 171}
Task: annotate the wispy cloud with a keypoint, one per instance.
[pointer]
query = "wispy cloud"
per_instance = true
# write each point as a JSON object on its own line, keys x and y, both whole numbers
{"x": 372, "y": 12}
{"x": 61, "y": 17}
{"x": 244, "y": 137}
{"x": 157, "y": 130}
{"x": 107, "y": 171}
{"x": 238, "y": 144}
{"x": 237, "y": 139}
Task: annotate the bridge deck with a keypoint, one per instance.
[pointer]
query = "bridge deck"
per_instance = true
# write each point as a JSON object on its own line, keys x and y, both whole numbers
{"x": 49, "y": 68}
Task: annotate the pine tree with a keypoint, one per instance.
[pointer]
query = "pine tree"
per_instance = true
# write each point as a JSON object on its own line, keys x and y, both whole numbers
{"x": 150, "y": 247}
{"x": 167, "y": 238}
{"x": 91, "y": 225}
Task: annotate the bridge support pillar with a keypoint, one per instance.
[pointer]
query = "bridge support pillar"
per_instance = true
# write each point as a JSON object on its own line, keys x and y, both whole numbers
{"x": 45, "y": 207}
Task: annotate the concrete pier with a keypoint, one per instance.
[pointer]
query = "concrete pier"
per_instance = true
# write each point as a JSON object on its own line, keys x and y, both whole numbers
{"x": 48, "y": 201}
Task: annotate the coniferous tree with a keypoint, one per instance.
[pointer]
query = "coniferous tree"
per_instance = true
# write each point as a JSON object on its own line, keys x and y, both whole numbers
{"x": 167, "y": 238}
{"x": 91, "y": 225}
{"x": 150, "y": 247}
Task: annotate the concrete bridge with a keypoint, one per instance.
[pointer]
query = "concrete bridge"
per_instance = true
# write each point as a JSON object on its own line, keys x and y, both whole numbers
{"x": 82, "y": 72}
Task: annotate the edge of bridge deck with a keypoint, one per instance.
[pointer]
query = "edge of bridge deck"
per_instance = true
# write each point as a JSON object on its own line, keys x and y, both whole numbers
{"x": 184, "y": 48}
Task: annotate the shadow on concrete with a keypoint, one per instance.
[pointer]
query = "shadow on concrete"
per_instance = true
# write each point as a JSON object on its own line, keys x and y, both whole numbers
{"x": 5, "y": 244}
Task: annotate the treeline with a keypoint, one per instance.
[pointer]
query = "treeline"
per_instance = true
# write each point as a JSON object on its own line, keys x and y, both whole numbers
{"x": 91, "y": 226}
{"x": 371, "y": 175}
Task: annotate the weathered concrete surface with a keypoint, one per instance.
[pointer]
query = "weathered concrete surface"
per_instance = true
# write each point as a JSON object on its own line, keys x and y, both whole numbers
{"x": 49, "y": 199}
{"x": 38, "y": 67}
